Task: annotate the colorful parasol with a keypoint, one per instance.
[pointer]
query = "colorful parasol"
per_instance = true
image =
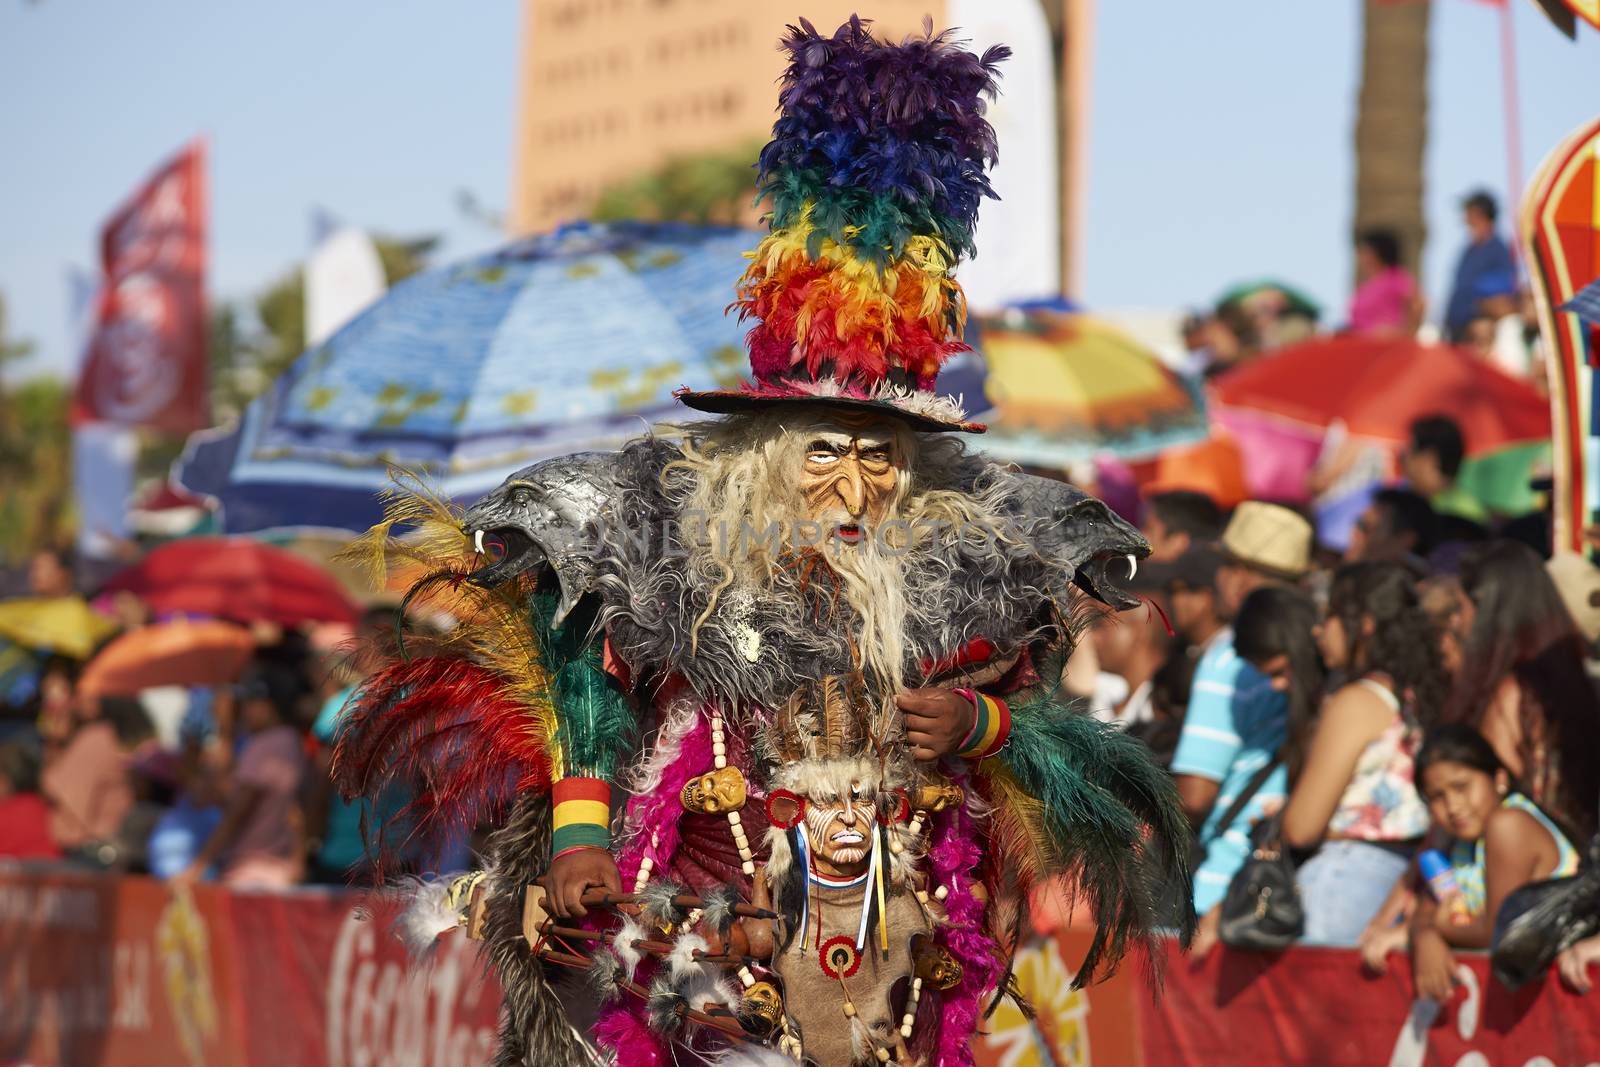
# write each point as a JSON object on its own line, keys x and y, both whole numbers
{"x": 236, "y": 578}
{"x": 204, "y": 652}
{"x": 1291, "y": 298}
{"x": 1378, "y": 386}
{"x": 1561, "y": 234}
{"x": 64, "y": 625}
{"x": 1565, "y": 13}
{"x": 1066, "y": 387}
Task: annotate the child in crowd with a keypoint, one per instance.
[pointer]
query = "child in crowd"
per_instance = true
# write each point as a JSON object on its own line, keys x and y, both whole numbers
{"x": 1496, "y": 841}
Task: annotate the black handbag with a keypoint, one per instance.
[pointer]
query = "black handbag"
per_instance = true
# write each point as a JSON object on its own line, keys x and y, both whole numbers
{"x": 1263, "y": 910}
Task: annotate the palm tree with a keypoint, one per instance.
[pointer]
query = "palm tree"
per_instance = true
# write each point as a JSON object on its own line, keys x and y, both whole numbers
{"x": 1392, "y": 122}
{"x": 1069, "y": 27}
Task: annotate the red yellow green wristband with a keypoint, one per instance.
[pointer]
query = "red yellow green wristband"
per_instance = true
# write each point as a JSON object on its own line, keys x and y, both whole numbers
{"x": 990, "y": 728}
{"x": 582, "y": 817}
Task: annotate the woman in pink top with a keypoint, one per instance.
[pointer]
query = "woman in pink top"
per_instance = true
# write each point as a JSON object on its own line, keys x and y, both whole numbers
{"x": 1386, "y": 302}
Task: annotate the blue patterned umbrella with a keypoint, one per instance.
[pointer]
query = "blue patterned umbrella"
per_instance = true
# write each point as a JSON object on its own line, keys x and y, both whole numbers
{"x": 567, "y": 341}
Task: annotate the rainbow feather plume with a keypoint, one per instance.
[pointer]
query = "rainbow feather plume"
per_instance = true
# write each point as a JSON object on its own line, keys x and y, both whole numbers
{"x": 874, "y": 174}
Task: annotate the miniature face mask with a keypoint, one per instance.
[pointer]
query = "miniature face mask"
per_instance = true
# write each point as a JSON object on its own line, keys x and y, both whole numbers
{"x": 720, "y": 791}
{"x": 937, "y": 796}
{"x": 763, "y": 1004}
{"x": 839, "y": 831}
{"x": 849, "y": 475}
{"x": 935, "y": 966}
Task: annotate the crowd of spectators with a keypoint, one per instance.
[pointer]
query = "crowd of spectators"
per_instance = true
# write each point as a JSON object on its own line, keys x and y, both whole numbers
{"x": 224, "y": 783}
{"x": 1432, "y": 687}
{"x": 1486, "y": 310}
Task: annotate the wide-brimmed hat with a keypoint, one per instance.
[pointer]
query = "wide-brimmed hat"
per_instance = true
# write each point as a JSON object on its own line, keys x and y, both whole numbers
{"x": 877, "y": 164}
{"x": 1269, "y": 538}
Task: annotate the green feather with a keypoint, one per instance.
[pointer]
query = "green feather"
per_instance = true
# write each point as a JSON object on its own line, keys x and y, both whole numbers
{"x": 1112, "y": 818}
{"x": 595, "y": 726}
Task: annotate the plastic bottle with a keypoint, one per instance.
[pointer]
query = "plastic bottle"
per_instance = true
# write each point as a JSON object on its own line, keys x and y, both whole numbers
{"x": 1436, "y": 871}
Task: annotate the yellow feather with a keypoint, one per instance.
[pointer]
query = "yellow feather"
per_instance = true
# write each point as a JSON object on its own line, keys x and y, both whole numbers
{"x": 492, "y": 627}
{"x": 1018, "y": 830}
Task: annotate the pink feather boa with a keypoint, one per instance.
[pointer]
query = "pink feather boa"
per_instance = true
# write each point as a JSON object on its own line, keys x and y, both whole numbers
{"x": 654, "y": 815}
{"x": 622, "y": 1030}
{"x": 952, "y": 859}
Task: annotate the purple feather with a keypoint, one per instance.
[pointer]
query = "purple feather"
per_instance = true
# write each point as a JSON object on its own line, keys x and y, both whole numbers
{"x": 865, "y": 123}
{"x": 954, "y": 857}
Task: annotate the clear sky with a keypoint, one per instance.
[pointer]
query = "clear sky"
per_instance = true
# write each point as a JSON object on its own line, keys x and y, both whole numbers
{"x": 1220, "y": 142}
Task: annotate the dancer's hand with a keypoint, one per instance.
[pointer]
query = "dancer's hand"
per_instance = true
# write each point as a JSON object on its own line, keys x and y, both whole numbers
{"x": 574, "y": 873}
{"x": 937, "y": 721}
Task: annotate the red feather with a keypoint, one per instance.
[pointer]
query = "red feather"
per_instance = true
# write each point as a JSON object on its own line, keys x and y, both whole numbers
{"x": 453, "y": 734}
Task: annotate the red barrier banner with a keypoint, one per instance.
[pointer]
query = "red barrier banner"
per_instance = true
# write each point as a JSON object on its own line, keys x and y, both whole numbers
{"x": 1316, "y": 1005}
{"x": 108, "y": 972}
{"x": 146, "y": 362}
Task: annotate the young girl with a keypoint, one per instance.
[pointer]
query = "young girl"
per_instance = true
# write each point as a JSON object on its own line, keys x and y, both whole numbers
{"x": 1498, "y": 841}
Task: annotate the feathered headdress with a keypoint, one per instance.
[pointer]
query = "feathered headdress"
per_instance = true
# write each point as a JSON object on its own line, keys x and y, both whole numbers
{"x": 874, "y": 175}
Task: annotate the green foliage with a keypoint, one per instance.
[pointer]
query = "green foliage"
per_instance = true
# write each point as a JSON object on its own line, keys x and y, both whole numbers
{"x": 246, "y": 359}
{"x": 35, "y": 467}
{"x": 713, "y": 187}
{"x": 11, "y": 351}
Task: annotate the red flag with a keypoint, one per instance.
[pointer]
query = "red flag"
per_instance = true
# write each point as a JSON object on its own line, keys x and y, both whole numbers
{"x": 146, "y": 361}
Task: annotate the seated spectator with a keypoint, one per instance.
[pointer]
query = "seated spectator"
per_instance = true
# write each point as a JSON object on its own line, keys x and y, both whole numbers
{"x": 1236, "y": 720}
{"x": 1170, "y": 690}
{"x": 340, "y": 852}
{"x": 1233, "y": 336}
{"x": 1190, "y": 586}
{"x": 86, "y": 783}
{"x": 1131, "y": 647}
{"x": 1177, "y": 520}
{"x": 1386, "y": 302}
{"x": 1445, "y": 604}
{"x": 50, "y": 572}
{"x": 258, "y": 842}
{"x": 24, "y": 815}
{"x": 1499, "y": 841}
{"x": 1273, "y": 634}
{"x": 1524, "y": 684}
{"x": 1398, "y": 526}
{"x": 1353, "y": 799}
{"x": 1431, "y": 461}
{"x": 183, "y": 830}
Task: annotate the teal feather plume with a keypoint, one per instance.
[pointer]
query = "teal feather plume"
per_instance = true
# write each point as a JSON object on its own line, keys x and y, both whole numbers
{"x": 595, "y": 727}
{"x": 1078, "y": 798}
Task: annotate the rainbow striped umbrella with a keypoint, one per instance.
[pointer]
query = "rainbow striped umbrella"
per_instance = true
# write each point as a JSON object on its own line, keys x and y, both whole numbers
{"x": 1065, "y": 387}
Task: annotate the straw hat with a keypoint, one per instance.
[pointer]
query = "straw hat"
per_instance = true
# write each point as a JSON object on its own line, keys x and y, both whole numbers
{"x": 1270, "y": 538}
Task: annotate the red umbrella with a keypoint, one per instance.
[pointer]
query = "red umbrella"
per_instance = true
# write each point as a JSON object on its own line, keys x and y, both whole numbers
{"x": 1379, "y": 386}
{"x": 236, "y": 578}
{"x": 206, "y": 652}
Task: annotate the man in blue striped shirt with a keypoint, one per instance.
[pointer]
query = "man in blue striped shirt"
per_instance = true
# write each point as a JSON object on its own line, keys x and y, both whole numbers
{"x": 1236, "y": 721}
